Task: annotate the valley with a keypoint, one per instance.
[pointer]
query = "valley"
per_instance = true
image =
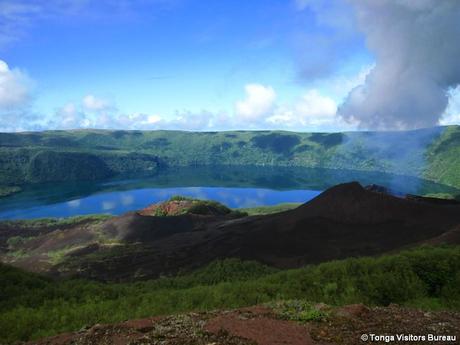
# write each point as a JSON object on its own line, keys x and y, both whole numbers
{"x": 181, "y": 246}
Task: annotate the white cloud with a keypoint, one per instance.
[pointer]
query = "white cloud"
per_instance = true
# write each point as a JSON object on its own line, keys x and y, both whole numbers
{"x": 416, "y": 49}
{"x": 92, "y": 103}
{"x": 94, "y": 112}
{"x": 311, "y": 110}
{"x": 69, "y": 117}
{"x": 15, "y": 98}
{"x": 15, "y": 87}
{"x": 258, "y": 103}
{"x": 192, "y": 121}
{"x": 339, "y": 86}
{"x": 315, "y": 108}
{"x": 139, "y": 121}
{"x": 452, "y": 114}
{"x": 91, "y": 112}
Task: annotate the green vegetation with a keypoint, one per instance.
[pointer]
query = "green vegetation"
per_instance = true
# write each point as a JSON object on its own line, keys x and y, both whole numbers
{"x": 50, "y": 166}
{"x": 37, "y": 164}
{"x": 444, "y": 158}
{"x": 33, "y": 306}
{"x": 261, "y": 210}
{"x": 16, "y": 241}
{"x": 179, "y": 205}
{"x": 94, "y": 154}
{"x": 443, "y": 196}
{"x": 55, "y": 223}
{"x": 181, "y": 198}
{"x": 298, "y": 310}
{"x": 8, "y": 190}
{"x": 57, "y": 256}
{"x": 16, "y": 254}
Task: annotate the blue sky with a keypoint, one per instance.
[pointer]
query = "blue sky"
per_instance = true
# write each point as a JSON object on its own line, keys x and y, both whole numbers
{"x": 178, "y": 64}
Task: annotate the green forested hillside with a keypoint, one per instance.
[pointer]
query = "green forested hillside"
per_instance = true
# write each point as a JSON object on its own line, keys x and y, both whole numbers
{"x": 95, "y": 154}
{"x": 444, "y": 158}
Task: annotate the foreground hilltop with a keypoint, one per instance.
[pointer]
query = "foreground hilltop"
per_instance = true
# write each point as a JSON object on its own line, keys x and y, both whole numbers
{"x": 296, "y": 303}
{"x": 37, "y": 157}
{"x": 344, "y": 221}
{"x": 274, "y": 324}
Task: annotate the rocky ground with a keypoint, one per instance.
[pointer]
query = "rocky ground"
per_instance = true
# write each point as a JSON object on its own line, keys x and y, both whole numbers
{"x": 287, "y": 323}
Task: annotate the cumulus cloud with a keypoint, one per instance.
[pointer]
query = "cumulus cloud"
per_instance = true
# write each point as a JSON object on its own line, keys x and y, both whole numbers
{"x": 312, "y": 111}
{"x": 258, "y": 110}
{"x": 339, "y": 85}
{"x": 95, "y": 112}
{"x": 15, "y": 87}
{"x": 416, "y": 46}
{"x": 69, "y": 117}
{"x": 15, "y": 98}
{"x": 258, "y": 103}
{"x": 91, "y": 112}
{"x": 191, "y": 121}
{"x": 315, "y": 106}
{"x": 92, "y": 103}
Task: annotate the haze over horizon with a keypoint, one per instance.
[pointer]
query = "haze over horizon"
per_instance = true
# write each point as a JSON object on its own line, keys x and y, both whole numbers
{"x": 303, "y": 65}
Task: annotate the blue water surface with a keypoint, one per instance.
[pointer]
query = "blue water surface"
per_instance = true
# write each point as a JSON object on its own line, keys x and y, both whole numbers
{"x": 121, "y": 202}
{"x": 235, "y": 187}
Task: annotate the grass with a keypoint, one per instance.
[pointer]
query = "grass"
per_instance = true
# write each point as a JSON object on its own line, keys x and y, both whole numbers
{"x": 9, "y": 190}
{"x": 262, "y": 210}
{"x": 16, "y": 254}
{"x": 57, "y": 256}
{"x": 16, "y": 241}
{"x": 298, "y": 310}
{"x": 33, "y": 306}
{"x": 55, "y": 222}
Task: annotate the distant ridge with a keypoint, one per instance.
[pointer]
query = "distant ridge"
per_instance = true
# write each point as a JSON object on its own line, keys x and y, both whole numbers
{"x": 36, "y": 157}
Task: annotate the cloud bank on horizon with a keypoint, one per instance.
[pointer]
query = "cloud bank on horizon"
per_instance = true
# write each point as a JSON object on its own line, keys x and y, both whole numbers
{"x": 325, "y": 65}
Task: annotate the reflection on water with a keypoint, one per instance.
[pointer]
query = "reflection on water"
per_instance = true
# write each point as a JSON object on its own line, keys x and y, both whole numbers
{"x": 233, "y": 186}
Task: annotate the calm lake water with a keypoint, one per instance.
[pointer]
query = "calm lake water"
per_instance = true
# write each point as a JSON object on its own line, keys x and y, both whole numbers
{"x": 233, "y": 186}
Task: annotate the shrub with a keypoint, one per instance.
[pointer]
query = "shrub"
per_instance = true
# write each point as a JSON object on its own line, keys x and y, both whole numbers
{"x": 33, "y": 306}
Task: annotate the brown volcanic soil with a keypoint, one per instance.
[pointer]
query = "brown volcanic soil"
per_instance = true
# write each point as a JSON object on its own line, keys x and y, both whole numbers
{"x": 263, "y": 326}
{"x": 259, "y": 325}
{"x": 349, "y": 323}
{"x": 170, "y": 208}
{"x": 187, "y": 206}
{"x": 344, "y": 221}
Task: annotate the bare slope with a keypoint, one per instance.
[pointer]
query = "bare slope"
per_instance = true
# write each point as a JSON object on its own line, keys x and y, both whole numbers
{"x": 346, "y": 220}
